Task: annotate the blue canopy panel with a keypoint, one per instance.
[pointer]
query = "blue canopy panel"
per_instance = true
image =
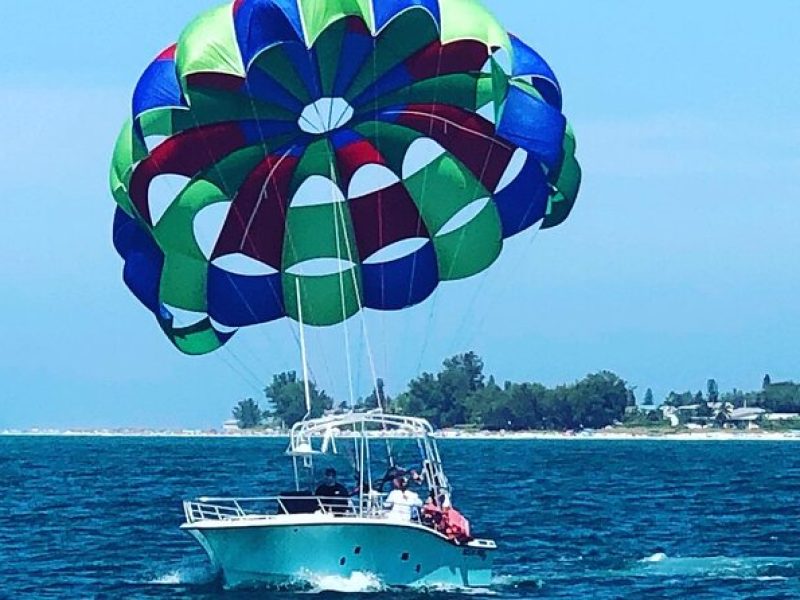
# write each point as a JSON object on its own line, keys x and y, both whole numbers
{"x": 263, "y": 87}
{"x": 260, "y": 132}
{"x": 401, "y": 283}
{"x": 260, "y": 24}
{"x": 242, "y": 300}
{"x": 144, "y": 261}
{"x": 357, "y": 46}
{"x": 306, "y": 71}
{"x": 534, "y": 126}
{"x": 528, "y": 63}
{"x": 524, "y": 201}
{"x": 395, "y": 79}
{"x": 386, "y": 10}
{"x": 158, "y": 87}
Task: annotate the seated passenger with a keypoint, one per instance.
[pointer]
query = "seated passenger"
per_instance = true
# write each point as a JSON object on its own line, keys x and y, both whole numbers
{"x": 403, "y": 504}
{"x": 410, "y": 475}
{"x": 432, "y": 512}
{"x": 333, "y": 494}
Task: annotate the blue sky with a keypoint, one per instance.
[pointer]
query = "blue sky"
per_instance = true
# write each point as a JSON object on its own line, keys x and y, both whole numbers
{"x": 680, "y": 261}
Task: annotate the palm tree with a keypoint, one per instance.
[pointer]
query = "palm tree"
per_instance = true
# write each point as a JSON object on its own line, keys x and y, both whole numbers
{"x": 723, "y": 414}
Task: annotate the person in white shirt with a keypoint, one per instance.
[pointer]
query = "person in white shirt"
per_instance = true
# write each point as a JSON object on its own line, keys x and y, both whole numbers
{"x": 402, "y": 502}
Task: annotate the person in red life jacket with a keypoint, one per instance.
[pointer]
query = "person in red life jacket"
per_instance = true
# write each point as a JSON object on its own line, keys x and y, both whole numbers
{"x": 455, "y": 526}
{"x": 432, "y": 512}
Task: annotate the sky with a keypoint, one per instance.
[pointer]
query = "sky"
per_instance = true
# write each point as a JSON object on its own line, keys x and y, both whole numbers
{"x": 679, "y": 263}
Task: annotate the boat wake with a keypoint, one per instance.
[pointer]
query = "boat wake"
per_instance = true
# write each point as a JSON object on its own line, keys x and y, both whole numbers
{"x": 185, "y": 576}
{"x": 357, "y": 583}
{"x": 761, "y": 568}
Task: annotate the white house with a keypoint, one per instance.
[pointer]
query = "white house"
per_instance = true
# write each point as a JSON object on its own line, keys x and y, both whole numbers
{"x": 231, "y": 426}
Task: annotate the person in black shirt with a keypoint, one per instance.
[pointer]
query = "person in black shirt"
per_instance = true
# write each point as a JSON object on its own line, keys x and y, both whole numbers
{"x": 333, "y": 494}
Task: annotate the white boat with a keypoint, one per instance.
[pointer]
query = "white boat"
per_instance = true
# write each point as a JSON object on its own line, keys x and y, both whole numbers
{"x": 294, "y": 536}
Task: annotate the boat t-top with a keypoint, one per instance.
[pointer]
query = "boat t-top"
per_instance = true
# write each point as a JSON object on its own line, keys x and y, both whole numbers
{"x": 411, "y": 536}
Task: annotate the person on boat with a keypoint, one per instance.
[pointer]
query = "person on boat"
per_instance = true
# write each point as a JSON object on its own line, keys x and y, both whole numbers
{"x": 394, "y": 472}
{"x": 403, "y": 504}
{"x": 432, "y": 511}
{"x": 360, "y": 487}
{"x": 332, "y": 493}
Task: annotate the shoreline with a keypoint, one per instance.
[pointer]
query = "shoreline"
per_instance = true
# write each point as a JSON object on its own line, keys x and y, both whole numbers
{"x": 616, "y": 435}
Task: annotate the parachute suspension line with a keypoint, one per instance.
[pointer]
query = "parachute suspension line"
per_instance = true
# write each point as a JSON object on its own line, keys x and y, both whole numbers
{"x": 384, "y": 343}
{"x": 432, "y": 305}
{"x": 229, "y": 192}
{"x": 262, "y": 195}
{"x": 289, "y": 239}
{"x": 503, "y": 288}
{"x": 478, "y": 183}
{"x": 485, "y": 275}
{"x": 504, "y": 285}
{"x": 243, "y": 370}
{"x": 347, "y": 355}
{"x": 339, "y": 213}
{"x": 306, "y": 384}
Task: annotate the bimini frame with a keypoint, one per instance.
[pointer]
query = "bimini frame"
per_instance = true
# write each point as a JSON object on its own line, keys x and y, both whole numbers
{"x": 316, "y": 437}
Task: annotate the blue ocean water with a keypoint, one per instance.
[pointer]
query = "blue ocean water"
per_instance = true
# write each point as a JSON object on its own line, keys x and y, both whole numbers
{"x": 98, "y": 517}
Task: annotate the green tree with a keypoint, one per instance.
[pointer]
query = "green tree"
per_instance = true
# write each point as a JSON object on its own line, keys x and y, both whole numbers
{"x": 248, "y": 414}
{"x": 423, "y": 399}
{"x": 377, "y": 399}
{"x": 766, "y": 383}
{"x": 703, "y": 410}
{"x": 648, "y": 398}
{"x": 713, "y": 390}
{"x": 779, "y": 397}
{"x": 674, "y": 399}
{"x": 599, "y": 400}
{"x": 287, "y": 396}
{"x": 526, "y": 401}
{"x": 469, "y": 366}
{"x": 443, "y": 398}
{"x": 489, "y": 407}
{"x": 723, "y": 415}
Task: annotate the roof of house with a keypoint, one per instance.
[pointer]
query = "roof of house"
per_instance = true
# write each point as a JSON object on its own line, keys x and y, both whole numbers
{"x": 742, "y": 414}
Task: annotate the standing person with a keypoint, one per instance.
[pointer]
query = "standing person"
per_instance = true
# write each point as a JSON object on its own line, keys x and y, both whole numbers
{"x": 333, "y": 494}
{"x": 402, "y": 502}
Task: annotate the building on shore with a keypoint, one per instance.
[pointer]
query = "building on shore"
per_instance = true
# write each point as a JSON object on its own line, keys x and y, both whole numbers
{"x": 231, "y": 426}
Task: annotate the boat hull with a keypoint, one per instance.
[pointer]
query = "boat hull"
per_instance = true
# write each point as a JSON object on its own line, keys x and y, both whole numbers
{"x": 286, "y": 553}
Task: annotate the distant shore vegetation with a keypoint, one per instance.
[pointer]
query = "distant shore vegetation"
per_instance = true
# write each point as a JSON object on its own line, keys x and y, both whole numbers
{"x": 460, "y": 395}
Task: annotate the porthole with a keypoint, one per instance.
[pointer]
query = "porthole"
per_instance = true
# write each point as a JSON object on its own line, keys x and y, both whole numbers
{"x": 404, "y": 556}
{"x": 357, "y": 550}
{"x": 342, "y": 561}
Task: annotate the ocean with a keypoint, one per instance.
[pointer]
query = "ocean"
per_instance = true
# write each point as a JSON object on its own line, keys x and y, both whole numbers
{"x": 99, "y": 517}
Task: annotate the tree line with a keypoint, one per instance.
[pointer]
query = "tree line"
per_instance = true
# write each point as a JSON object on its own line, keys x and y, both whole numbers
{"x": 459, "y": 395}
{"x": 776, "y": 397}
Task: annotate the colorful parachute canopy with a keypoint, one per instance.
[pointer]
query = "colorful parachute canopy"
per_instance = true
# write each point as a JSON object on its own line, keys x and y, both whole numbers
{"x": 368, "y": 149}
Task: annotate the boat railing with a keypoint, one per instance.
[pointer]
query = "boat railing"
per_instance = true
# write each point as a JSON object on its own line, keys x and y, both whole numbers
{"x": 237, "y": 509}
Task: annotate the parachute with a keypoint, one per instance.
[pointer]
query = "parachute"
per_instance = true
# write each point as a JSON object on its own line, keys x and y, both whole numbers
{"x": 360, "y": 151}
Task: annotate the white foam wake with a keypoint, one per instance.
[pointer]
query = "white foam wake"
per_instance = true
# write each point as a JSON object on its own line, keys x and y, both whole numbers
{"x": 357, "y": 583}
{"x": 655, "y": 558}
{"x": 184, "y": 576}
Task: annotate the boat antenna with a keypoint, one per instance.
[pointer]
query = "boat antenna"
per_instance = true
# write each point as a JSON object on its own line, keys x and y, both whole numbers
{"x": 306, "y": 384}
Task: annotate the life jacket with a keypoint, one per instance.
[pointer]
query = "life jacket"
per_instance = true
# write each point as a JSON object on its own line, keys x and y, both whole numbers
{"x": 455, "y": 526}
